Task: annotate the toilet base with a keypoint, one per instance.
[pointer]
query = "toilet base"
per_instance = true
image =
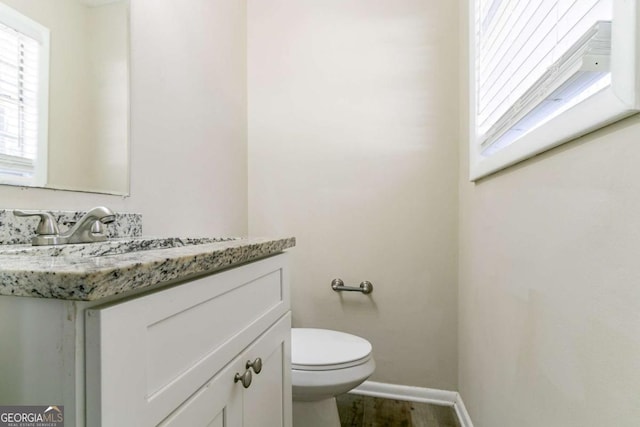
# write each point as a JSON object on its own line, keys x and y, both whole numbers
{"x": 319, "y": 413}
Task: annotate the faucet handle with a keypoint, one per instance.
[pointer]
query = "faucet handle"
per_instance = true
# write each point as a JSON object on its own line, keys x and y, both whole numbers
{"x": 47, "y": 226}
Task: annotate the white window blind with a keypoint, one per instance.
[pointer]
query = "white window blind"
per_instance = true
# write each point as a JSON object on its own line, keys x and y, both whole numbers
{"x": 533, "y": 62}
{"x": 23, "y": 99}
{"x": 18, "y": 103}
{"x": 523, "y": 51}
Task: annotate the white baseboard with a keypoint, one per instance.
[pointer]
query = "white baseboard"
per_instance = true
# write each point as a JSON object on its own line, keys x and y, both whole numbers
{"x": 405, "y": 392}
{"x": 461, "y": 412}
{"x": 416, "y": 394}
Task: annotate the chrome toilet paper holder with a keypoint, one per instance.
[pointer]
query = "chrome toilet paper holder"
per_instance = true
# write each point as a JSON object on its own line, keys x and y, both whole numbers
{"x": 365, "y": 287}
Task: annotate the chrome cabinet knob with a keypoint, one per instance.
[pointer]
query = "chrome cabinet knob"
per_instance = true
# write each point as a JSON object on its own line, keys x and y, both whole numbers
{"x": 256, "y": 365}
{"x": 245, "y": 378}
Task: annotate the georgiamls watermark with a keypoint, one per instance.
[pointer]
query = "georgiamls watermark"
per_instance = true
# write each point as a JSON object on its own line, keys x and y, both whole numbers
{"x": 31, "y": 416}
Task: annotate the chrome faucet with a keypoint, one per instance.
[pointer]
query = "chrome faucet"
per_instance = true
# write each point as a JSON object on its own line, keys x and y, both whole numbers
{"x": 89, "y": 227}
{"x": 87, "y": 230}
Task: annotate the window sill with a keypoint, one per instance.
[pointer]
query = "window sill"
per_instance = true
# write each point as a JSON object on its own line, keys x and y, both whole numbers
{"x": 598, "y": 111}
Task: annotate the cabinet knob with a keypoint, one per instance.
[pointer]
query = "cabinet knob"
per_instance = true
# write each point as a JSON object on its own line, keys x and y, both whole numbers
{"x": 256, "y": 365}
{"x": 244, "y": 378}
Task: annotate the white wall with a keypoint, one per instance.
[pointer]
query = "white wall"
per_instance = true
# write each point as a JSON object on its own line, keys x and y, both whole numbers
{"x": 352, "y": 149}
{"x": 550, "y": 286}
{"x": 188, "y": 154}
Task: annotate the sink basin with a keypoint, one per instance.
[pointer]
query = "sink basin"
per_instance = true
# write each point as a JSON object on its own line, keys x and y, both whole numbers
{"x": 110, "y": 247}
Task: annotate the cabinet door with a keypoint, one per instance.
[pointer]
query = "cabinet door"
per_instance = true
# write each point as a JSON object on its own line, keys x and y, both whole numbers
{"x": 267, "y": 402}
{"x": 217, "y": 404}
{"x": 223, "y": 402}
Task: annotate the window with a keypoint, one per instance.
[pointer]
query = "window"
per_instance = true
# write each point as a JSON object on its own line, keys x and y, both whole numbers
{"x": 24, "y": 70}
{"x": 545, "y": 72}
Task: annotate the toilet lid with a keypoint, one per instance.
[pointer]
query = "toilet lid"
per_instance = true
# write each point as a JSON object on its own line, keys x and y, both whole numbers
{"x": 321, "y": 349}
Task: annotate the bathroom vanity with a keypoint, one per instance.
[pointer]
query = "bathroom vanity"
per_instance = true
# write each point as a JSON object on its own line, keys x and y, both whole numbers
{"x": 191, "y": 335}
{"x": 179, "y": 356}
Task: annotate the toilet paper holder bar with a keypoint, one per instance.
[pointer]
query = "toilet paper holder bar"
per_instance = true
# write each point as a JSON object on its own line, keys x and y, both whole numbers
{"x": 365, "y": 287}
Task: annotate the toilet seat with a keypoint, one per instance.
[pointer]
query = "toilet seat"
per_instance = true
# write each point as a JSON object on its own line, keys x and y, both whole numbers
{"x": 325, "y": 350}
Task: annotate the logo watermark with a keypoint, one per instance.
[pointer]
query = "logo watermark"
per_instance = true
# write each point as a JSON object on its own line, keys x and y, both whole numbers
{"x": 31, "y": 416}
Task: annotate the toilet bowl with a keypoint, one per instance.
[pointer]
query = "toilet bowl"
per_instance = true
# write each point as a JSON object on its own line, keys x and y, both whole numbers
{"x": 325, "y": 364}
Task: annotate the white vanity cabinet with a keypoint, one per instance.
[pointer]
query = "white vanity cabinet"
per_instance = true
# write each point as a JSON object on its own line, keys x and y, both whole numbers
{"x": 171, "y": 357}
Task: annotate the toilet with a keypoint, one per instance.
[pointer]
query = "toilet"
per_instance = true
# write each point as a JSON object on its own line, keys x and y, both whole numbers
{"x": 325, "y": 364}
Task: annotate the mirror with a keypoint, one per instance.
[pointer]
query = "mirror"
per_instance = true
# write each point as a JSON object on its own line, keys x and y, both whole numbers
{"x": 87, "y": 111}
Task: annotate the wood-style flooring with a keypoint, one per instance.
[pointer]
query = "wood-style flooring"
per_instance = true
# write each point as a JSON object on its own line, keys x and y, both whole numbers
{"x": 365, "y": 411}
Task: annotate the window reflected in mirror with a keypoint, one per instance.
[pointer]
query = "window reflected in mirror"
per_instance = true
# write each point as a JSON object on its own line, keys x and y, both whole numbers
{"x": 64, "y": 94}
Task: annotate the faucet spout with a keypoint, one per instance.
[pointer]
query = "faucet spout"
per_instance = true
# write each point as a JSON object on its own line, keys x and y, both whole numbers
{"x": 89, "y": 227}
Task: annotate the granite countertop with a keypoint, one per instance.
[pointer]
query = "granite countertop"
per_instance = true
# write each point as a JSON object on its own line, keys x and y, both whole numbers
{"x": 69, "y": 275}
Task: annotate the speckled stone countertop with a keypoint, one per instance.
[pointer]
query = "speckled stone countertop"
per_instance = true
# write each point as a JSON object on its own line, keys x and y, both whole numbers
{"x": 70, "y": 273}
